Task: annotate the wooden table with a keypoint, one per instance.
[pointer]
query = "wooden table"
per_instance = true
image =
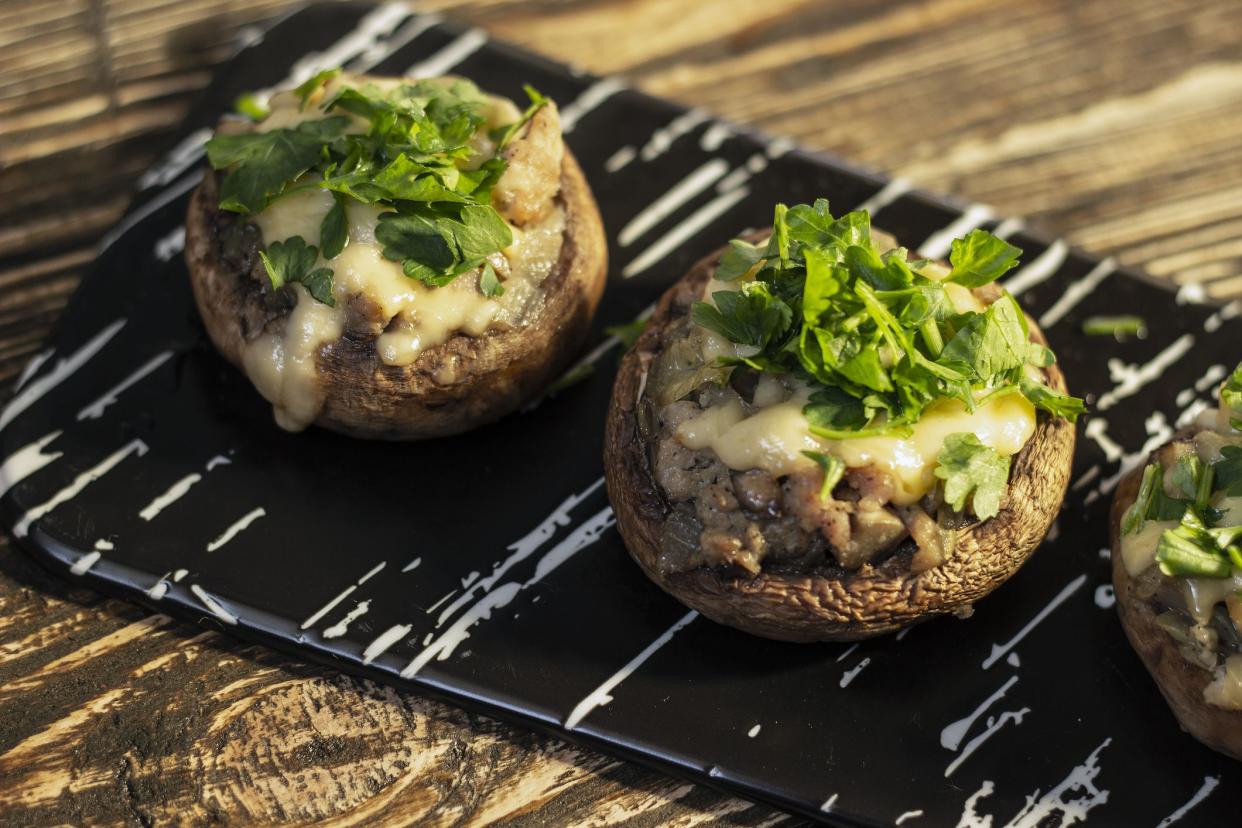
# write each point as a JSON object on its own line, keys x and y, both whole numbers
{"x": 1114, "y": 124}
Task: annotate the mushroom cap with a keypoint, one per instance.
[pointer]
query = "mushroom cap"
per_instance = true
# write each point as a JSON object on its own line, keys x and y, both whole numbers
{"x": 494, "y": 373}
{"x": 830, "y": 603}
{"x": 1180, "y": 682}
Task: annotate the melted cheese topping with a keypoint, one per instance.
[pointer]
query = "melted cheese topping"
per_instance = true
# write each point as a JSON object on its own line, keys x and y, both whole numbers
{"x": 414, "y": 317}
{"x": 1226, "y": 688}
{"x": 1202, "y": 594}
{"x": 774, "y": 436}
{"x": 1138, "y": 550}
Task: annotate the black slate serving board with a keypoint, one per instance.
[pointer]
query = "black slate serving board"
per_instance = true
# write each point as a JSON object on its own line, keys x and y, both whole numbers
{"x": 487, "y": 569}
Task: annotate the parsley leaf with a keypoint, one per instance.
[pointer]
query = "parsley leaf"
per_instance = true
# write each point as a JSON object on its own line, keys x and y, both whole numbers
{"x": 833, "y": 468}
{"x": 1190, "y": 552}
{"x": 750, "y": 316}
{"x": 489, "y": 284}
{"x": 1054, "y": 402}
{"x": 248, "y": 104}
{"x": 833, "y": 409}
{"x": 437, "y": 243}
{"x": 1193, "y": 550}
{"x": 981, "y": 258}
{"x": 1152, "y": 503}
{"x": 537, "y": 102}
{"x": 1231, "y": 394}
{"x": 972, "y": 472}
{"x": 333, "y": 230}
{"x": 294, "y": 261}
{"x": 1228, "y": 471}
{"x": 313, "y": 83}
{"x": 262, "y": 164}
{"x": 991, "y": 342}
{"x": 740, "y": 257}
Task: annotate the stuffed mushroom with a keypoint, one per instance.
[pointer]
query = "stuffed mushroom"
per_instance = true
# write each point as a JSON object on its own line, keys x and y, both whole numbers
{"x": 1177, "y": 570}
{"x": 819, "y": 438}
{"x": 393, "y": 257}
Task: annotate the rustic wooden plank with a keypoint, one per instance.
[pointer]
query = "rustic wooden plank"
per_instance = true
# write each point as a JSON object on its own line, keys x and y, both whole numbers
{"x": 1113, "y": 124}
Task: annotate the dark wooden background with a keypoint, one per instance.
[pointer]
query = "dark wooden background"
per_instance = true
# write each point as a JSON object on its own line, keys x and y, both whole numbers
{"x": 1116, "y": 124}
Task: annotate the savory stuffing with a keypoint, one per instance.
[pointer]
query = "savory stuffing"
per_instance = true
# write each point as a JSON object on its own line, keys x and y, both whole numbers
{"x": 830, "y": 401}
{"x": 391, "y": 210}
{"x": 1182, "y": 543}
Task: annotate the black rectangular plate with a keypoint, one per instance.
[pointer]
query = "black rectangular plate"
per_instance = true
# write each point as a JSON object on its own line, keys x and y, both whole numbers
{"x": 487, "y": 568}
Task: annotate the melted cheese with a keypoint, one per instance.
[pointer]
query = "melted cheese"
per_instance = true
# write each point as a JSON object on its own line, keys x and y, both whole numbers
{"x": 1138, "y": 550}
{"x": 1231, "y": 509}
{"x": 963, "y": 299}
{"x": 1226, "y": 688}
{"x": 1202, "y": 594}
{"x": 414, "y": 317}
{"x": 284, "y": 368}
{"x": 774, "y": 437}
{"x": 1004, "y": 424}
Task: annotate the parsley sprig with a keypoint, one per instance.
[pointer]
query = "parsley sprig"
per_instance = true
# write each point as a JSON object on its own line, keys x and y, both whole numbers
{"x": 1231, "y": 397}
{"x": 1197, "y": 547}
{"x": 412, "y": 155}
{"x": 876, "y": 337}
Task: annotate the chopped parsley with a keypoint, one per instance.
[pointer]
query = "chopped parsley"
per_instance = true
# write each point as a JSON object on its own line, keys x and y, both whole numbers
{"x": 1118, "y": 327}
{"x": 413, "y": 156}
{"x": 1197, "y": 547}
{"x": 833, "y": 468}
{"x": 876, "y": 338}
{"x": 972, "y": 472}
{"x": 293, "y": 260}
{"x": 489, "y": 284}
{"x": 1231, "y": 396}
{"x": 1229, "y": 471}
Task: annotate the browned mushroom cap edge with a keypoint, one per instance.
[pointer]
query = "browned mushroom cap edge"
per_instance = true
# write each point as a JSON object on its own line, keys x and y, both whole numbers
{"x": 494, "y": 374}
{"x": 1180, "y": 682}
{"x": 829, "y": 605}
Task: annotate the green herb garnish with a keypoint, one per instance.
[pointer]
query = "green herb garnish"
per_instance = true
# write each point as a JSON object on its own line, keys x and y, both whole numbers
{"x": 833, "y": 468}
{"x": 262, "y": 165}
{"x": 308, "y": 87}
{"x": 875, "y": 336}
{"x": 333, "y": 231}
{"x": 412, "y": 154}
{"x": 1231, "y": 396}
{"x": 1228, "y": 471}
{"x": 489, "y": 283}
{"x": 1195, "y": 550}
{"x": 294, "y": 261}
{"x": 251, "y": 106}
{"x": 972, "y": 472}
{"x": 1118, "y": 327}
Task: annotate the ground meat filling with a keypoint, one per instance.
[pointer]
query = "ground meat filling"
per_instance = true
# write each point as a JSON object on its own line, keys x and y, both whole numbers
{"x": 749, "y": 520}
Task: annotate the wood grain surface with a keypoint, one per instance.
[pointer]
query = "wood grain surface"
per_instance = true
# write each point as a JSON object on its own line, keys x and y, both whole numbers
{"x": 1113, "y": 124}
